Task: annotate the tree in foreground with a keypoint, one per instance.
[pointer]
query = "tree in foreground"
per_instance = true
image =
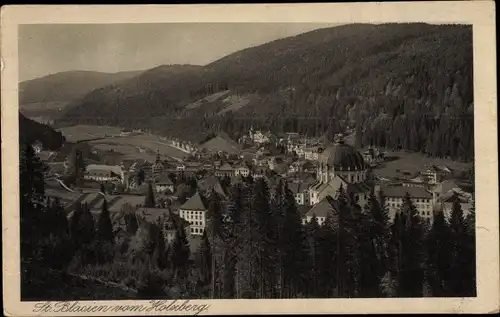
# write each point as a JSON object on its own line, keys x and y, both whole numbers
{"x": 104, "y": 226}
{"x": 462, "y": 261}
{"x": 408, "y": 244}
{"x": 149, "y": 201}
{"x": 438, "y": 256}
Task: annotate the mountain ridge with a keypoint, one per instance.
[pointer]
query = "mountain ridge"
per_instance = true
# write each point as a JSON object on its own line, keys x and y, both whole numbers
{"x": 333, "y": 77}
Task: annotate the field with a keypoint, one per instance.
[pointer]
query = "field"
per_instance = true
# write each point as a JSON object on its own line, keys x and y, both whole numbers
{"x": 134, "y": 146}
{"x": 409, "y": 162}
{"x": 412, "y": 163}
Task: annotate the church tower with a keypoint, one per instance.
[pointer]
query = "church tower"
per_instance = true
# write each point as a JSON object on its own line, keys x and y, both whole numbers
{"x": 157, "y": 167}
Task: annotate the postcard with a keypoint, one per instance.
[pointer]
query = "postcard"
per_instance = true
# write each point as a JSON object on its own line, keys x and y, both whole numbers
{"x": 250, "y": 159}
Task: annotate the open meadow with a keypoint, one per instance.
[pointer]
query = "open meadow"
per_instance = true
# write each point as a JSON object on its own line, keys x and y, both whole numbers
{"x": 410, "y": 163}
{"x": 133, "y": 146}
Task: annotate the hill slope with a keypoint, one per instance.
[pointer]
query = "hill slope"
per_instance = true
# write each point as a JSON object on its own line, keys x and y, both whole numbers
{"x": 67, "y": 86}
{"x": 32, "y": 131}
{"x": 45, "y": 97}
{"x": 369, "y": 75}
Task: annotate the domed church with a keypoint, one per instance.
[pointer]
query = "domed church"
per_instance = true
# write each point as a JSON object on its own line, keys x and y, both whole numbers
{"x": 340, "y": 165}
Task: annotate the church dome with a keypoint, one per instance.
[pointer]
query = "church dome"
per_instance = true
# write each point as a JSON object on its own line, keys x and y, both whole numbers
{"x": 342, "y": 157}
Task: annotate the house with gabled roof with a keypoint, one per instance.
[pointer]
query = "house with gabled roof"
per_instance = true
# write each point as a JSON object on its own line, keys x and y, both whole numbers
{"x": 164, "y": 184}
{"x": 211, "y": 182}
{"x": 326, "y": 207}
{"x": 446, "y": 201}
{"x": 224, "y": 170}
{"x": 359, "y": 191}
{"x": 194, "y": 210}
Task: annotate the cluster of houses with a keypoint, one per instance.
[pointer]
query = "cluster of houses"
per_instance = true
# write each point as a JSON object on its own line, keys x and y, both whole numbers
{"x": 257, "y": 137}
{"x": 314, "y": 174}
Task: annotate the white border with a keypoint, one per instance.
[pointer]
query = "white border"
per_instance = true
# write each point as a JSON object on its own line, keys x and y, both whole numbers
{"x": 480, "y": 14}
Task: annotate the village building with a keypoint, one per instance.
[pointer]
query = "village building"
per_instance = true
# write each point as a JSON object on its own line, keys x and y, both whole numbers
{"x": 434, "y": 174}
{"x": 421, "y": 198}
{"x": 37, "y": 147}
{"x": 194, "y": 210}
{"x": 300, "y": 190}
{"x": 171, "y": 222}
{"x": 212, "y": 183}
{"x": 373, "y": 156}
{"x": 326, "y": 207}
{"x": 221, "y": 143}
{"x": 104, "y": 173}
{"x": 241, "y": 170}
{"x": 259, "y": 137}
{"x": 164, "y": 184}
{"x": 446, "y": 202}
{"x": 312, "y": 153}
{"x": 225, "y": 170}
{"x": 157, "y": 168}
{"x": 340, "y": 165}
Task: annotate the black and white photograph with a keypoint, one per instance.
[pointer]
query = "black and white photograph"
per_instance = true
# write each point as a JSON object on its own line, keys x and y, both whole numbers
{"x": 224, "y": 160}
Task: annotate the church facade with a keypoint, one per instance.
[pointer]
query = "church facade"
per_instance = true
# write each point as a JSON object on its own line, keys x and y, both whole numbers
{"x": 340, "y": 165}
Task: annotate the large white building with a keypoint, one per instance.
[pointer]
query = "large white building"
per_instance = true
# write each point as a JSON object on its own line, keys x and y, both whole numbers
{"x": 194, "y": 211}
{"x": 104, "y": 173}
{"x": 421, "y": 198}
{"x": 340, "y": 165}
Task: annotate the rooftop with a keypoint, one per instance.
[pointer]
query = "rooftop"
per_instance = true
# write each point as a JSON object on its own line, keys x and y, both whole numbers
{"x": 400, "y": 191}
{"x": 327, "y": 206}
{"x": 194, "y": 203}
{"x": 111, "y": 168}
{"x": 222, "y": 143}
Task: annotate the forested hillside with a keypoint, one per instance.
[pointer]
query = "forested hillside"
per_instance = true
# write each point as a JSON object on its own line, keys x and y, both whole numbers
{"x": 31, "y": 131}
{"x": 66, "y": 86}
{"x": 404, "y": 86}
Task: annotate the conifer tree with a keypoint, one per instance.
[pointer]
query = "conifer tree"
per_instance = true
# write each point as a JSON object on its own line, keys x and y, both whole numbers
{"x": 61, "y": 226}
{"x": 205, "y": 259}
{"x": 160, "y": 252}
{"x": 438, "y": 255}
{"x": 130, "y": 218}
{"x": 75, "y": 219}
{"x": 105, "y": 228}
{"x": 408, "y": 237}
{"x": 470, "y": 252}
{"x": 180, "y": 253}
{"x": 36, "y": 217}
{"x": 326, "y": 259}
{"x": 32, "y": 189}
{"x": 216, "y": 233}
{"x": 147, "y": 238}
{"x": 86, "y": 227}
{"x": 247, "y": 266}
{"x": 375, "y": 234}
{"x": 292, "y": 243}
{"x": 265, "y": 239}
{"x": 313, "y": 235}
{"x": 348, "y": 246}
{"x": 461, "y": 247}
{"x": 149, "y": 201}
{"x": 277, "y": 204}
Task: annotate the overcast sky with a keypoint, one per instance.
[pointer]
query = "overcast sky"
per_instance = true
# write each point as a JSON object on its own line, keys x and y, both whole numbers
{"x": 48, "y": 49}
